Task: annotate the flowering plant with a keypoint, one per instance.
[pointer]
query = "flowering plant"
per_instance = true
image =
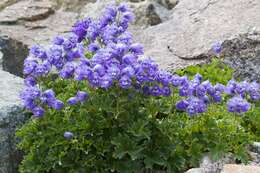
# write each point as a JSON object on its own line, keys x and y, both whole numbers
{"x": 109, "y": 104}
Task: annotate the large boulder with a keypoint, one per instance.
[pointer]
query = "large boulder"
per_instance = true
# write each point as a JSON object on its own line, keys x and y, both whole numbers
{"x": 187, "y": 38}
{"x": 11, "y": 117}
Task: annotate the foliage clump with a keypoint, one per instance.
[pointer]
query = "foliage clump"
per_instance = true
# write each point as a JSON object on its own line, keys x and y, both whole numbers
{"x": 98, "y": 108}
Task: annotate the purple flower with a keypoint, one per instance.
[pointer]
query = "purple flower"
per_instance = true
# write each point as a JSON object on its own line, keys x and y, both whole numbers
{"x": 176, "y": 81}
{"x": 164, "y": 77}
{"x": 67, "y": 70}
{"x": 129, "y": 59}
{"x": 137, "y": 49}
{"x": 72, "y": 101}
{"x": 230, "y": 88}
{"x": 106, "y": 81}
{"x": 123, "y": 7}
{"x": 191, "y": 110}
{"x": 94, "y": 80}
{"x": 70, "y": 43}
{"x": 49, "y": 94}
{"x": 80, "y": 29}
{"x": 38, "y": 112}
{"x": 82, "y": 72}
{"x": 196, "y": 106}
{"x": 42, "y": 69}
{"x": 68, "y": 135}
{"x": 99, "y": 69}
{"x": 217, "y": 97}
{"x": 217, "y": 48}
{"x": 29, "y": 66}
{"x": 155, "y": 90}
{"x": 201, "y": 91}
{"x": 38, "y": 52}
{"x": 57, "y": 104}
{"x": 182, "y": 105}
{"x": 113, "y": 72}
{"x": 29, "y": 103}
{"x": 30, "y": 81}
{"x": 58, "y": 40}
{"x": 82, "y": 96}
{"x": 125, "y": 82}
{"x": 185, "y": 91}
{"x": 93, "y": 47}
{"x": 166, "y": 91}
{"x": 198, "y": 77}
{"x": 128, "y": 71}
{"x": 255, "y": 96}
{"x": 238, "y": 105}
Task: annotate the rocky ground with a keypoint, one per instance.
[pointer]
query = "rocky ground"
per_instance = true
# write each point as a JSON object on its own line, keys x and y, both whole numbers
{"x": 175, "y": 33}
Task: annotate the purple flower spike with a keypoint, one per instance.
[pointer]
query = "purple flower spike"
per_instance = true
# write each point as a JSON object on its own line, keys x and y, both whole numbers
{"x": 68, "y": 135}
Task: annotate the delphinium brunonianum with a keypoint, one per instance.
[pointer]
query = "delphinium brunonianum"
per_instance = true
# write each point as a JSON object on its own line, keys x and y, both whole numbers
{"x": 94, "y": 87}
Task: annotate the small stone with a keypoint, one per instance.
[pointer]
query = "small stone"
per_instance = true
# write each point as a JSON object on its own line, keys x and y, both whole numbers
{"x": 196, "y": 170}
{"x": 232, "y": 168}
{"x": 211, "y": 166}
{"x": 256, "y": 147}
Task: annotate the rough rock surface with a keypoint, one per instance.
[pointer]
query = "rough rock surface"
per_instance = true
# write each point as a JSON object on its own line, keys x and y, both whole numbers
{"x": 1, "y": 60}
{"x": 196, "y": 170}
{"x": 11, "y": 117}
{"x": 243, "y": 54}
{"x": 194, "y": 26}
{"x": 240, "y": 169}
{"x": 210, "y": 166}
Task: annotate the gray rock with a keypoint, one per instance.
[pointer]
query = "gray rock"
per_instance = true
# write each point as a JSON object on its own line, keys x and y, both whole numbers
{"x": 232, "y": 168}
{"x": 5, "y": 3}
{"x": 254, "y": 159}
{"x": 69, "y": 5}
{"x": 26, "y": 11}
{"x": 243, "y": 55}
{"x": 169, "y": 4}
{"x": 1, "y": 60}
{"x": 210, "y": 166}
{"x": 11, "y": 117}
{"x": 196, "y": 170}
{"x": 187, "y": 38}
{"x": 256, "y": 147}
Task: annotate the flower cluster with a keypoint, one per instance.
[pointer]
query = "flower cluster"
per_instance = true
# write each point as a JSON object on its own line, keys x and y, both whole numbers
{"x": 115, "y": 61}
